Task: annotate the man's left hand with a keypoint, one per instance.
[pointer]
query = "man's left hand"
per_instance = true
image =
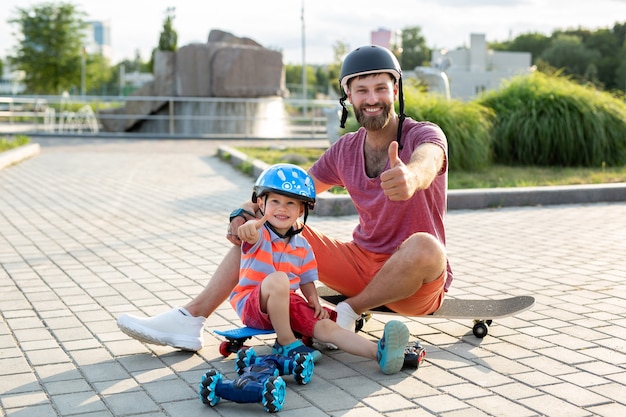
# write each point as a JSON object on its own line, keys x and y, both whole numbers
{"x": 398, "y": 182}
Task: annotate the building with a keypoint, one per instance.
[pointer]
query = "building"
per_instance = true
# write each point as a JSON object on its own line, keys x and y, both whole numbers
{"x": 471, "y": 71}
{"x": 391, "y": 40}
{"x": 11, "y": 81}
{"x": 98, "y": 38}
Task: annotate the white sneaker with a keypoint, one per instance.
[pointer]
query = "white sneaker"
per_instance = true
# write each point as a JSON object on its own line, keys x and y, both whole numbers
{"x": 326, "y": 345}
{"x": 171, "y": 328}
{"x": 346, "y": 317}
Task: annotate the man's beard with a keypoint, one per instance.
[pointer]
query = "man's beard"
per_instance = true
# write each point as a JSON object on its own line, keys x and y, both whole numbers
{"x": 373, "y": 122}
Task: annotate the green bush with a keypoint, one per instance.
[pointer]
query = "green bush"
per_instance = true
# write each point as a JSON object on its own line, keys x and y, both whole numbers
{"x": 548, "y": 120}
{"x": 7, "y": 144}
{"x": 466, "y": 125}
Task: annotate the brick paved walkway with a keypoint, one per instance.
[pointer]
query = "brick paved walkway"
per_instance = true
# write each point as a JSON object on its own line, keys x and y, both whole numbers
{"x": 91, "y": 229}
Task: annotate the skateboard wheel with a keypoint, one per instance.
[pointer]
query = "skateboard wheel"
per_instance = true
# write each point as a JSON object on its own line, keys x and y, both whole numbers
{"x": 480, "y": 330}
{"x": 360, "y": 322}
{"x": 225, "y": 349}
{"x": 273, "y": 396}
{"x": 413, "y": 356}
{"x": 307, "y": 341}
{"x": 208, "y": 385}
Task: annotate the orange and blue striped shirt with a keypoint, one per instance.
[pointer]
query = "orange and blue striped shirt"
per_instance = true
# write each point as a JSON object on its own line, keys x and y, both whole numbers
{"x": 272, "y": 253}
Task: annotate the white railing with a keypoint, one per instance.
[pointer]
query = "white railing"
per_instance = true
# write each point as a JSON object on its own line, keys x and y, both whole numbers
{"x": 169, "y": 116}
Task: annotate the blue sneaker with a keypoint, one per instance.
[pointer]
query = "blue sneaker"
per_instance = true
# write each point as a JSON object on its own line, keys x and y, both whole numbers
{"x": 294, "y": 348}
{"x": 390, "y": 356}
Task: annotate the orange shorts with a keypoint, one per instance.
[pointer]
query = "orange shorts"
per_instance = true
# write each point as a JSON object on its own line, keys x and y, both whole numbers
{"x": 347, "y": 268}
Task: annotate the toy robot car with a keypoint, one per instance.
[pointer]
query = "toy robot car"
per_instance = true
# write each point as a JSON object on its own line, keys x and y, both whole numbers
{"x": 259, "y": 380}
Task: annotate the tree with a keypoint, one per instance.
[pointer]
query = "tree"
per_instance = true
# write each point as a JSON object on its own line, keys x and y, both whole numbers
{"x": 168, "y": 40}
{"x": 293, "y": 79}
{"x": 535, "y": 43}
{"x": 415, "y": 53}
{"x": 606, "y": 43}
{"x": 569, "y": 52}
{"x": 340, "y": 50}
{"x": 50, "y": 47}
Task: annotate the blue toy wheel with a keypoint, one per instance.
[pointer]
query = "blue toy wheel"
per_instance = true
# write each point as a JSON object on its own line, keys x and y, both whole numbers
{"x": 303, "y": 368}
{"x": 208, "y": 385}
{"x": 274, "y": 391}
{"x": 245, "y": 357}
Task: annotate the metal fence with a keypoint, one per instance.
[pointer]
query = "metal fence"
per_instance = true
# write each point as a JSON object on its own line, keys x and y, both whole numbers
{"x": 186, "y": 117}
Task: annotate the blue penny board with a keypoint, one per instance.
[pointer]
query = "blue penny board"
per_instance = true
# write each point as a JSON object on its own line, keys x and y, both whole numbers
{"x": 242, "y": 332}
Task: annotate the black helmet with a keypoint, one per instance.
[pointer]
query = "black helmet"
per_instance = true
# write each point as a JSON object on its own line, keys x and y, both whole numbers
{"x": 370, "y": 59}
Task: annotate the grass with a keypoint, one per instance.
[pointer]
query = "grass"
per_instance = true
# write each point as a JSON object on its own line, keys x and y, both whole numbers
{"x": 490, "y": 177}
{"x": 6, "y": 144}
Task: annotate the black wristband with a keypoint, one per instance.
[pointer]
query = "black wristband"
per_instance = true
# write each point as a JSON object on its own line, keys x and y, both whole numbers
{"x": 240, "y": 213}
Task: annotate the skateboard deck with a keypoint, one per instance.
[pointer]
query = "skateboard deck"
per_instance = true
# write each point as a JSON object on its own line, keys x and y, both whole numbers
{"x": 236, "y": 338}
{"x": 482, "y": 311}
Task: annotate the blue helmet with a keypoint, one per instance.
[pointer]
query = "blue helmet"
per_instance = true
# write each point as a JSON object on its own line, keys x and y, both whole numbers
{"x": 286, "y": 179}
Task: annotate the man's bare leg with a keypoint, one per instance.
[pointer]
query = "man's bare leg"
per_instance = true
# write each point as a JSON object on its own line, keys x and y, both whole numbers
{"x": 219, "y": 286}
{"x": 420, "y": 259}
{"x": 182, "y": 328}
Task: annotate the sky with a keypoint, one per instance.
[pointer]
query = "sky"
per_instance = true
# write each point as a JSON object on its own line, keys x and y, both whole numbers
{"x": 278, "y": 24}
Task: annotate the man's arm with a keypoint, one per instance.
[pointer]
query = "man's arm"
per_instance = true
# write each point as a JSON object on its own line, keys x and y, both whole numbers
{"x": 320, "y": 187}
{"x": 426, "y": 162}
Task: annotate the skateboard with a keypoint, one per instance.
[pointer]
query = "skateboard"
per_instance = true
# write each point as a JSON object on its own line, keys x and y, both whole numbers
{"x": 236, "y": 338}
{"x": 483, "y": 312}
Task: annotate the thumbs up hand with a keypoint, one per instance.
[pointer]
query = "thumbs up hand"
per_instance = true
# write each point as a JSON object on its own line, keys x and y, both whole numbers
{"x": 398, "y": 182}
{"x": 394, "y": 159}
{"x": 249, "y": 231}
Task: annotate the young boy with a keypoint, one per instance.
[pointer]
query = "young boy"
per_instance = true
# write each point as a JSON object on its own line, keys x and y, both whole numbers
{"x": 276, "y": 260}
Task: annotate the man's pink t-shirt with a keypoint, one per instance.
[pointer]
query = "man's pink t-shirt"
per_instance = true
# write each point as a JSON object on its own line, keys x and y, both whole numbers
{"x": 385, "y": 224}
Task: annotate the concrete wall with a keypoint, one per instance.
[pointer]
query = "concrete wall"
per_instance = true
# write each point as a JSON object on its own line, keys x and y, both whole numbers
{"x": 225, "y": 67}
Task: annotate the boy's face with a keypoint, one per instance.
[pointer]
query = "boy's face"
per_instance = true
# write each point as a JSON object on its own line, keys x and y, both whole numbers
{"x": 282, "y": 211}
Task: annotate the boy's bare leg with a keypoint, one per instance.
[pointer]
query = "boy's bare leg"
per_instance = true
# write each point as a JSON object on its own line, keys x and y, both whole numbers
{"x": 388, "y": 352}
{"x": 275, "y": 302}
{"x": 182, "y": 328}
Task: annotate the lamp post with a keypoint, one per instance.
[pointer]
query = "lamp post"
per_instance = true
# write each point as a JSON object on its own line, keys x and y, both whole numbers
{"x": 82, "y": 72}
{"x": 304, "y": 95}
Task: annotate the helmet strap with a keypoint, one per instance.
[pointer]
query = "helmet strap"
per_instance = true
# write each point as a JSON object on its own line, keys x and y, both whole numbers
{"x": 402, "y": 115}
{"x": 344, "y": 112}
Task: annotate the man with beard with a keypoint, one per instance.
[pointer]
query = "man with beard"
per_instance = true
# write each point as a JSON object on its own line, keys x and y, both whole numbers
{"x": 395, "y": 170}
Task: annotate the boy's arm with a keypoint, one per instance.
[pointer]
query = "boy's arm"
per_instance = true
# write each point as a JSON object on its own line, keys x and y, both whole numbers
{"x": 247, "y": 212}
{"x": 249, "y": 231}
{"x": 310, "y": 293}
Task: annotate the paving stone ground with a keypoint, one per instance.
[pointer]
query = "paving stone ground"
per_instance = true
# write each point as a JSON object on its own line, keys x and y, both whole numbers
{"x": 90, "y": 229}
